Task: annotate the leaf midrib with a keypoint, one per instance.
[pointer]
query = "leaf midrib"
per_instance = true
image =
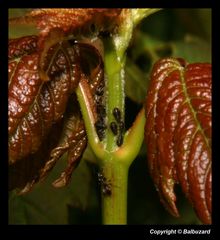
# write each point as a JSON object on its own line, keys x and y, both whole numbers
{"x": 188, "y": 100}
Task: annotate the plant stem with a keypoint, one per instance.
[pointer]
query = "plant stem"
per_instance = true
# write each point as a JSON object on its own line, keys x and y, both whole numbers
{"x": 114, "y": 207}
{"x": 114, "y": 72}
{"x": 114, "y": 160}
{"x": 115, "y": 169}
{"x": 86, "y": 105}
{"x": 133, "y": 139}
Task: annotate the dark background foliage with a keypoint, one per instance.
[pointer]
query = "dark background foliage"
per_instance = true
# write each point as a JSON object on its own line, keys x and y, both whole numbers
{"x": 182, "y": 33}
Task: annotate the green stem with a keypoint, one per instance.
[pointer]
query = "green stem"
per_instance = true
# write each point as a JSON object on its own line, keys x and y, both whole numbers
{"x": 115, "y": 169}
{"x": 114, "y": 160}
{"x": 114, "y": 70}
{"x": 133, "y": 140}
{"x": 86, "y": 105}
{"x": 114, "y": 207}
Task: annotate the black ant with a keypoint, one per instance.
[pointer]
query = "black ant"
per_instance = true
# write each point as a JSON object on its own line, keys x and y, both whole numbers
{"x": 106, "y": 184}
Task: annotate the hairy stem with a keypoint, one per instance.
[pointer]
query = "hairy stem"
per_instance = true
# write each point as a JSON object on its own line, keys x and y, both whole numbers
{"x": 133, "y": 137}
{"x": 86, "y": 103}
{"x": 115, "y": 158}
{"x": 114, "y": 207}
{"x": 114, "y": 72}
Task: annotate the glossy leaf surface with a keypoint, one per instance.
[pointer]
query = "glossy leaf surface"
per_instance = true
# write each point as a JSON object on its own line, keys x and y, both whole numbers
{"x": 34, "y": 105}
{"x": 44, "y": 116}
{"x": 73, "y": 19}
{"x": 178, "y": 133}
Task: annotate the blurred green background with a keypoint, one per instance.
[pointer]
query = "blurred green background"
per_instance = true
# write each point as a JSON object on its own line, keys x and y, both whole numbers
{"x": 182, "y": 33}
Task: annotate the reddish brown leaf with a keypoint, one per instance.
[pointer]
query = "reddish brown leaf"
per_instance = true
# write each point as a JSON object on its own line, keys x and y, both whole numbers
{"x": 23, "y": 174}
{"x": 74, "y": 20}
{"x": 178, "y": 133}
{"x": 38, "y": 109}
{"x": 55, "y": 24}
{"x": 73, "y": 140}
{"x": 71, "y": 20}
{"x": 34, "y": 105}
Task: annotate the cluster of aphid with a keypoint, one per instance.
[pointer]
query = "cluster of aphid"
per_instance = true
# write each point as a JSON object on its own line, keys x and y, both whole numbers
{"x": 100, "y": 124}
{"x": 105, "y": 184}
{"x": 117, "y": 127}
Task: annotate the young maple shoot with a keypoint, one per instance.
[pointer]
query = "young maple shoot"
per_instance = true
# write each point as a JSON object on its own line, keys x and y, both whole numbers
{"x": 75, "y": 71}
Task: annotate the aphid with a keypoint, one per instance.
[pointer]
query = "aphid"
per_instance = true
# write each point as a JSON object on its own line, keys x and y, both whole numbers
{"x": 101, "y": 110}
{"x": 60, "y": 65}
{"x": 121, "y": 126}
{"x": 99, "y": 91}
{"x": 60, "y": 59}
{"x": 100, "y": 125}
{"x": 105, "y": 184}
{"x": 119, "y": 139}
{"x": 114, "y": 128}
{"x": 117, "y": 114}
{"x": 98, "y": 99}
{"x": 100, "y": 128}
{"x": 99, "y": 95}
{"x": 101, "y": 134}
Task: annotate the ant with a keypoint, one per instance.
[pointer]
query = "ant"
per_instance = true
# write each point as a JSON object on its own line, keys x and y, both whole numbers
{"x": 106, "y": 184}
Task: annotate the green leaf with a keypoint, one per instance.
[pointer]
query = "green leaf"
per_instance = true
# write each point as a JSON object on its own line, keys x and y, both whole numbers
{"x": 146, "y": 50}
{"x": 195, "y": 21}
{"x": 135, "y": 82}
{"x": 19, "y": 30}
{"x": 145, "y": 44}
{"x": 205, "y": 18}
{"x": 142, "y": 54}
{"x": 89, "y": 155}
{"x": 48, "y": 205}
{"x": 192, "y": 49}
{"x": 17, "y": 12}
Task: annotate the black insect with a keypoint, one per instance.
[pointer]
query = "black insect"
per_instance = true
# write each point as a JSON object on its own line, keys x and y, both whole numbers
{"x": 101, "y": 134}
{"x": 101, "y": 110}
{"x": 119, "y": 139}
{"x": 121, "y": 126}
{"x": 106, "y": 184}
{"x": 100, "y": 129}
{"x": 107, "y": 189}
{"x": 117, "y": 114}
{"x": 99, "y": 91}
{"x": 98, "y": 100}
{"x": 100, "y": 125}
{"x": 114, "y": 128}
